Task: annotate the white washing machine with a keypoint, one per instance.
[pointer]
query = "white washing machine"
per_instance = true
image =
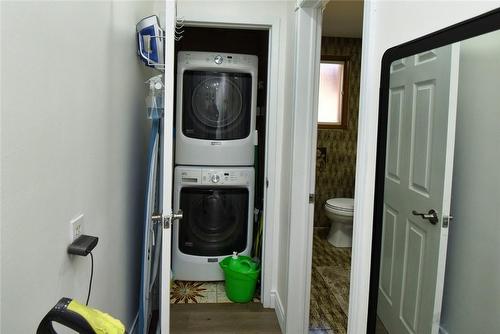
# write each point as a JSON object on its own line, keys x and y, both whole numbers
{"x": 217, "y": 206}
{"x": 216, "y": 109}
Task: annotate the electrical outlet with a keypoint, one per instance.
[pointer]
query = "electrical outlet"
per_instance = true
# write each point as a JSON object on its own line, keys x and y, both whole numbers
{"x": 76, "y": 225}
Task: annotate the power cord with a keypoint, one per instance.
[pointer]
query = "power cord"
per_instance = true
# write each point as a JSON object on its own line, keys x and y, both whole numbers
{"x": 91, "y": 276}
{"x": 83, "y": 246}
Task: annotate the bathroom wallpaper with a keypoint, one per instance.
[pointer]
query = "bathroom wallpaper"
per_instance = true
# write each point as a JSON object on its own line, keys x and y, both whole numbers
{"x": 336, "y": 148}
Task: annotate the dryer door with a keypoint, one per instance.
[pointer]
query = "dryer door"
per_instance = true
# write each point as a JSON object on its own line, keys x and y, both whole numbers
{"x": 216, "y": 105}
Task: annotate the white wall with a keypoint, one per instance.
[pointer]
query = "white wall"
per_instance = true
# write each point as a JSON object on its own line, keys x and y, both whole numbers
{"x": 386, "y": 24}
{"x": 471, "y": 300}
{"x": 73, "y": 135}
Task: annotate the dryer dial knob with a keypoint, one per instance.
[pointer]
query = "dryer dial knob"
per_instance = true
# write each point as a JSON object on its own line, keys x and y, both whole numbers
{"x": 215, "y": 178}
{"x": 218, "y": 59}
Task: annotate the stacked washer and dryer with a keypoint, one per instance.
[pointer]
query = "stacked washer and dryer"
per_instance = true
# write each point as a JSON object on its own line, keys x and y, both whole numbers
{"x": 214, "y": 156}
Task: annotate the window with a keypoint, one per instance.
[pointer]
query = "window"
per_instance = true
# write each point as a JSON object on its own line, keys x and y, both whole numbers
{"x": 333, "y": 83}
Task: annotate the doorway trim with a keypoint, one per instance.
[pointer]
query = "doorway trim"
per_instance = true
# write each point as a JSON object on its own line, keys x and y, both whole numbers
{"x": 274, "y": 142}
{"x": 301, "y": 221}
{"x": 308, "y": 21}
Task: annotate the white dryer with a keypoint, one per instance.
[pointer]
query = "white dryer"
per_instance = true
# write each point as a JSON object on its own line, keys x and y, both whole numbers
{"x": 216, "y": 109}
{"x": 217, "y": 206}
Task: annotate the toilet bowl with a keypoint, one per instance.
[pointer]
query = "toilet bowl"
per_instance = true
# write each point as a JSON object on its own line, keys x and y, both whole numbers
{"x": 340, "y": 212}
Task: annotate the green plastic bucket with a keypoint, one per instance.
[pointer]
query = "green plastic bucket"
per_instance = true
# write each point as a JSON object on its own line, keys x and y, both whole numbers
{"x": 240, "y": 278}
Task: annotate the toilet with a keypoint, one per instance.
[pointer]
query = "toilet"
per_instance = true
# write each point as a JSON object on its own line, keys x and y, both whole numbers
{"x": 340, "y": 212}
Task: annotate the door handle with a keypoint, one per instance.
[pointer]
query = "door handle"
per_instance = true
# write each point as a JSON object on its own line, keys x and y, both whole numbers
{"x": 431, "y": 216}
{"x": 166, "y": 221}
{"x": 177, "y": 216}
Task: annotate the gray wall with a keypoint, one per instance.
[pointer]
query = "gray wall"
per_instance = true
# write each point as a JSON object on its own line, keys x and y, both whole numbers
{"x": 471, "y": 301}
{"x": 73, "y": 136}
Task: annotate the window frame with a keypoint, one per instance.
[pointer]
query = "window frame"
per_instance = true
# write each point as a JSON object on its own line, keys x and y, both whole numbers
{"x": 345, "y": 92}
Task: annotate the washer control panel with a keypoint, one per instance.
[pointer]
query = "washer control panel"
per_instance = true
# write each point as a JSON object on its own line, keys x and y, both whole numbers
{"x": 215, "y": 176}
{"x": 225, "y": 177}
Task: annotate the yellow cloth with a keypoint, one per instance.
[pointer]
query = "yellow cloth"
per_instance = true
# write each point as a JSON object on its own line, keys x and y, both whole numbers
{"x": 101, "y": 323}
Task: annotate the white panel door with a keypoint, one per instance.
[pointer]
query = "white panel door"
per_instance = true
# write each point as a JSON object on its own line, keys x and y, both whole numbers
{"x": 420, "y": 142}
{"x": 167, "y": 165}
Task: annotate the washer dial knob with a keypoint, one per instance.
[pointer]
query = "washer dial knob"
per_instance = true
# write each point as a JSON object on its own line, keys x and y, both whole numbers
{"x": 218, "y": 59}
{"x": 215, "y": 178}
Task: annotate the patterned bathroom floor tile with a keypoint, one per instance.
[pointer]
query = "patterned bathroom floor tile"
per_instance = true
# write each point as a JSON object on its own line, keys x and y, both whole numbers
{"x": 322, "y": 331}
{"x": 329, "y": 287}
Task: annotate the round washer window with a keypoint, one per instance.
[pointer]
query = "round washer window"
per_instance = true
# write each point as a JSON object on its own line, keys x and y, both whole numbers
{"x": 213, "y": 218}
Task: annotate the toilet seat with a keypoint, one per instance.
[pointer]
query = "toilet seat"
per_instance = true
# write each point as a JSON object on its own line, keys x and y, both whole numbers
{"x": 344, "y": 205}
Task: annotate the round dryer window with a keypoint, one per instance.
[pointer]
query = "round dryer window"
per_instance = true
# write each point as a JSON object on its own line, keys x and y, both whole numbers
{"x": 217, "y": 102}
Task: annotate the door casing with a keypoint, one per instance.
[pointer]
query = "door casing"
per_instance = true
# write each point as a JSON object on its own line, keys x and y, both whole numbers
{"x": 274, "y": 129}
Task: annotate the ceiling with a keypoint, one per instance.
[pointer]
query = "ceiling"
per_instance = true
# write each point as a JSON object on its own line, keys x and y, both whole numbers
{"x": 343, "y": 18}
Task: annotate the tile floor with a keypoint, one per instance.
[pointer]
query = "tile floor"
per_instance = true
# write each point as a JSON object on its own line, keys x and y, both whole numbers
{"x": 329, "y": 286}
{"x": 201, "y": 293}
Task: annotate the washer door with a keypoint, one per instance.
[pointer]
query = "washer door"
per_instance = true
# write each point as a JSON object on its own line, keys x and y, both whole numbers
{"x": 216, "y": 105}
{"x": 215, "y": 221}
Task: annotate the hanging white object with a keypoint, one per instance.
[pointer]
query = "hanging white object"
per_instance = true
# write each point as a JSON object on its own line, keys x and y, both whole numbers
{"x": 154, "y": 100}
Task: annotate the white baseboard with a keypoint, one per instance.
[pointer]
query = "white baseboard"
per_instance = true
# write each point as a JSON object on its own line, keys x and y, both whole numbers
{"x": 271, "y": 300}
{"x": 279, "y": 309}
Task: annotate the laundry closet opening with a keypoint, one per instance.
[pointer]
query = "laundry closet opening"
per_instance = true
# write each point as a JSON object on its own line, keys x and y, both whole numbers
{"x": 219, "y": 178}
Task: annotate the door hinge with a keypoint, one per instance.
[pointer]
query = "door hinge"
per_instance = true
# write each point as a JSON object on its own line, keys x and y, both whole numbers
{"x": 312, "y": 197}
{"x": 267, "y": 182}
{"x": 447, "y": 220}
{"x": 166, "y": 220}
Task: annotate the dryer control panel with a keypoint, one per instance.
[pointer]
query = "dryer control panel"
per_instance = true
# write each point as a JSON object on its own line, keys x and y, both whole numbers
{"x": 204, "y": 59}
